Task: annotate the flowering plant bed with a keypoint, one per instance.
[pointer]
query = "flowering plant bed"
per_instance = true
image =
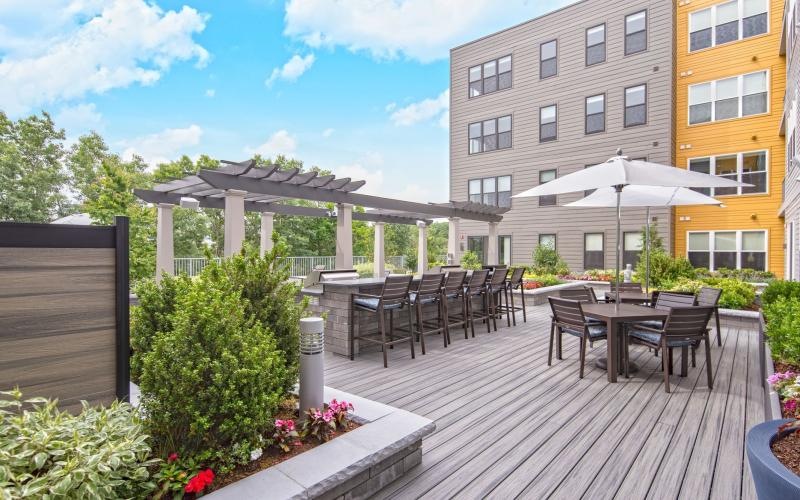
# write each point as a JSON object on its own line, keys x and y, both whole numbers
{"x": 786, "y": 383}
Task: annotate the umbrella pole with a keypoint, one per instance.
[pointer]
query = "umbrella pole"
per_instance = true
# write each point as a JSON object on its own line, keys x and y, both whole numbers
{"x": 647, "y": 253}
{"x": 619, "y": 236}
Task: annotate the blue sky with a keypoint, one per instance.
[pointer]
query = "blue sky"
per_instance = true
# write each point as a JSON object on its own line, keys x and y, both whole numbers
{"x": 355, "y": 86}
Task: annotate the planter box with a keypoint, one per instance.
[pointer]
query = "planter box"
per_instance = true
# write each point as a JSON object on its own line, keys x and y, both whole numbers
{"x": 355, "y": 465}
{"x": 772, "y": 479}
{"x": 539, "y": 295}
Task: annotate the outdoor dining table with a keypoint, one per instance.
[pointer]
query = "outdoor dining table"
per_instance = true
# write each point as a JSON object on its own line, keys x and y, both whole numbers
{"x": 615, "y": 315}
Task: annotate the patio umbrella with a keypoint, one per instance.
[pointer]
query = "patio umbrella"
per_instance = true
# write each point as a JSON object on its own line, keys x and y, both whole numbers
{"x": 618, "y": 173}
{"x": 645, "y": 196}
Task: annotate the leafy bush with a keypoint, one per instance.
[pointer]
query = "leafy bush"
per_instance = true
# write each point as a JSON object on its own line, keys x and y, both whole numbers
{"x": 783, "y": 328}
{"x": 749, "y": 275}
{"x": 546, "y": 260}
{"x": 367, "y": 269}
{"x": 543, "y": 279}
{"x": 735, "y": 294}
{"x": 665, "y": 269}
{"x": 778, "y": 289}
{"x": 215, "y": 380}
{"x": 99, "y": 453}
{"x": 470, "y": 261}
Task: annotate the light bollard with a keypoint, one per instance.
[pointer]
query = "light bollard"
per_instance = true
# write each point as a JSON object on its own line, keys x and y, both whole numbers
{"x": 312, "y": 364}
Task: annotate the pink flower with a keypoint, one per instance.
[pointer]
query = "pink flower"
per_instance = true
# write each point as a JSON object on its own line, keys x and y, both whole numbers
{"x": 327, "y": 416}
{"x": 172, "y": 457}
{"x": 790, "y": 405}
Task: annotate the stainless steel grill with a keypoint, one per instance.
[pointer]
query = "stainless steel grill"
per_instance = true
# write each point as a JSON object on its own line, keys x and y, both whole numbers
{"x": 316, "y": 277}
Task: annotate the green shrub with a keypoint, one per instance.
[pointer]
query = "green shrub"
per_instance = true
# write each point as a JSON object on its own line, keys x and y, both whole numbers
{"x": 470, "y": 261}
{"x": 46, "y": 453}
{"x": 153, "y": 315}
{"x": 778, "y": 289}
{"x": 543, "y": 279}
{"x": 783, "y": 328}
{"x": 215, "y": 380}
{"x": 367, "y": 269}
{"x": 735, "y": 294}
{"x": 546, "y": 260}
{"x": 749, "y": 275}
{"x": 665, "y": 269}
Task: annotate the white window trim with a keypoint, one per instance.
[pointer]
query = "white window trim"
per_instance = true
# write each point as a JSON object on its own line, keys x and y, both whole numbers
{"x": 711, "y": 241}
{"x": 713, "y": 9}
{"x": 496, "y": 60}
{"x": 497, "y": 128}
{"x": 740, "y": 90}
{"x": 739, "y": 172}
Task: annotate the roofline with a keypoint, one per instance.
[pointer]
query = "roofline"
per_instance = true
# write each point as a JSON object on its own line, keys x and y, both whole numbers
{"x": 541, "y": 16}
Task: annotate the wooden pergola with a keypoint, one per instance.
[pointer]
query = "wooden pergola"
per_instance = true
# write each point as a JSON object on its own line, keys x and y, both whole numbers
{"x": 239, "y": 187}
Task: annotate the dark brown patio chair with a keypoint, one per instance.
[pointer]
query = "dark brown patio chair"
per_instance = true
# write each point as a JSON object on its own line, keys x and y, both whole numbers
{"x": 454, "y": 293}
{"x": 709, "y": 297}
{"x": 515, "y": 282}
{"x": 685, "y": 327}
{"x": 496, "y": 288}
{"x": 623, "y": 287}
{"x": 393, "y": 297}
{"x": 582, "y": 294}
{"x": 476, "y": 289}
{"x": 429, "y": 292}
{"x": 568, "y": 318}
{"x": 665, "y": 301}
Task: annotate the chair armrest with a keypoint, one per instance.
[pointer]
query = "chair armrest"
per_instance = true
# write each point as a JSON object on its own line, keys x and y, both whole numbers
{"x": 367, "y": 295}
{"x": 647, "y": 328}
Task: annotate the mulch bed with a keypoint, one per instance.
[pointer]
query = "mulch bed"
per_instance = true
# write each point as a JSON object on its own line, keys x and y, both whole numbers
{"x": 787, "y": 451}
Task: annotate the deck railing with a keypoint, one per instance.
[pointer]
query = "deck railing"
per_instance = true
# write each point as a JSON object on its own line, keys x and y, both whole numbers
{"x": 300, "y": 266}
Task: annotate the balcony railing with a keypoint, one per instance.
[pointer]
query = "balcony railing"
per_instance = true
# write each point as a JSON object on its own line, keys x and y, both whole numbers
{"x": 300, "y": 266}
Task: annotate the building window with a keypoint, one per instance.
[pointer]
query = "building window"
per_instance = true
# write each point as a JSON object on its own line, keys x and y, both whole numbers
{"x": 547, "y": 240}
{"x": 477, "y": 245}
{"x": 596, "y": 45}
{"x": 789, "y": 152}
{"x": 595, "y": 114}
{"x": 631, "y": 248}
{"x": 636, "y": 33}
{"x": 548, "y": 59}
{"x": 727, "y": 22}
{"x": 494, "y": 191}
{"x": 490, "y": 77}
{"x": 750, "y": 168}
{"x": 593, "y": 257}
{"x": 636, "y": 105}
{"x": 734, "y": 97}
{"x": 728, "y": 249}
{"x": 490, "y": 135}
{"x": 548, "y": 128}
{"x": 544, "y": 177}
{"x": 504, "y": 248}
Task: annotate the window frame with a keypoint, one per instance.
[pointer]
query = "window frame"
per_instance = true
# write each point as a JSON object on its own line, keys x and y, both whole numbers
{"x": 547, "y": 197}
{"x": 624, "y": 246}
{"x": 712, "y": 248}
{"x": 497, "y": 191}
{"x": 740, "y": 96}
{"x": 603, "y": 251}
{"x": 496, "y": 134}
{"x": 586, "y": 115}
{"x": 555, "y": 239}
{"x": 740, "y": 25}
{"x": 625, "y": 106}
{"x": 542, "y": 61}
{"x": 646, "y": 31}
{"x": 712, "y": 167}
{"x": 500, "y": 238}
{"x": 604, "y": 43}
{"x": 555, "y": 122}
{"x": 497, "y": 74}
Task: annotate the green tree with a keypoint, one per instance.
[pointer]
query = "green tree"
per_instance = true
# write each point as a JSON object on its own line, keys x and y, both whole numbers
{"x": 84, "y": 163}
{"x": 32, "y": 178}
{"x": 437, "y": 242}
{"x": 656, "y": 241}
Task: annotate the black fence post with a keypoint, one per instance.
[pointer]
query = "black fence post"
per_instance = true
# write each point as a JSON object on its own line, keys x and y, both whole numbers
{"x": 123, "y": 304}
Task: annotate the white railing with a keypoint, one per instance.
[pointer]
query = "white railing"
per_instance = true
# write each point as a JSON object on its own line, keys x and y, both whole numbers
{"x": 191, "y": 265}
{"x": 299, "y": 266}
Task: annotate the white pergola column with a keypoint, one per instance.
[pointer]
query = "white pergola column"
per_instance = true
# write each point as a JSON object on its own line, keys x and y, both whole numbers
{"x": 165, "y": 249}
{"x": 422, "y": 247}
{"x": 453, "y": 249}
{"x": 267, "y": 226}
{"x": 234, "y": 221}
{"x": 379, "y": 257}
{"x": 492, "y": 256}
{"x": 344, "y": 236}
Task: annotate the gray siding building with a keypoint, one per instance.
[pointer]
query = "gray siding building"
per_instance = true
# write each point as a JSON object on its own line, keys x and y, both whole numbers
{"x": 553, "y": 95}
{"x": 790, "y": 207}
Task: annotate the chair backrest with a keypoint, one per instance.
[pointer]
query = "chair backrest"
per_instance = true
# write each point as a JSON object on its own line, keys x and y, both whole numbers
{"x": 395, "y": 289}
{"x": 430, "y": 284}
{"x": 592, "y": 294}
{"x": 581, "y": 294}
{"x": 687, "y": 322}
{"x": 478, "y": 280}
{"x": 709, "y": 296}
{"x": 455, "y": 281}
{"x": 567, "y": 313}
{"x": 499, "y": 276}
{"x": 516, "y": 276}
{"x": 667, "y": 300}
{"x": 626, "y": 287}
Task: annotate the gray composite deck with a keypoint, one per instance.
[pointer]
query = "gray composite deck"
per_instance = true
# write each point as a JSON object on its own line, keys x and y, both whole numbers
{"x": 508, "y": 426}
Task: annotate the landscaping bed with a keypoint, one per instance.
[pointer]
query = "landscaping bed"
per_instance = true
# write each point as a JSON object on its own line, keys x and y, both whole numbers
{"x": 787, "y": 451}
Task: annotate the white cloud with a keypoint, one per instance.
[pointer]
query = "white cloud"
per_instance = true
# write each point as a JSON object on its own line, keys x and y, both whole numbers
{"x": 78, "y": 119}
{"x": 390, "y": 107}
{"x": 428, "y": 109}
{"x": 281, "y": 142}
{"x": 292, "y": 70}
{"x": 418, "y": 29}
{"x": 92, "y": 47}
{"x": 328, "y": 132}
{"x": 376, "y": 182}
{"x": 210, "y": 93}
{"x": 163, "y": 146}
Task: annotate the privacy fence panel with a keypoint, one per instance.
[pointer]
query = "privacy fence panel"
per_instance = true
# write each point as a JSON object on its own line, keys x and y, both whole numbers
{"x": 64, "y": 311}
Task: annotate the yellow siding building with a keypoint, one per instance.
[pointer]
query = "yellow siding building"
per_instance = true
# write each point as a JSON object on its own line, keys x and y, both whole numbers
{"x": 730, "y": 81}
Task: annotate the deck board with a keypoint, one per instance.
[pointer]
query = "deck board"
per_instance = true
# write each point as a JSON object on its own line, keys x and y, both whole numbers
{"x": 510, "y": 426}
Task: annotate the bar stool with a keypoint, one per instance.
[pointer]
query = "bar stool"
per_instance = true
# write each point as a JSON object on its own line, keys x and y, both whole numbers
{"x": 394, "y": 296}
{"x": 476, "y": 288}
{"x": 495, "y": 289}
{"x": 515, "y": 282}
{"x": 429, "y": 291}
{"x": 454, "y": 292}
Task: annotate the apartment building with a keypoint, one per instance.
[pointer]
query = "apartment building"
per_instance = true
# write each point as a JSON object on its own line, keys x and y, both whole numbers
{"x": 790, "y": 205}
{"x": 730, "y": 82}
{"x": 548, "y": 97}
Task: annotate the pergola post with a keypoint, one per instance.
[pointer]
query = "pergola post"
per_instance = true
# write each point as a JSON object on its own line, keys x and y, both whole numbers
{"x": 492, "y": 256}
{"x": 267, "y": 226}
{"x": 422, "y": 247}
{"x": 344, "y": 236}
{"x": 379, "y": 257}
{"x": 234, "y": 221}
{"x": 453, "y": 250}
{"x": 165, "y": 250}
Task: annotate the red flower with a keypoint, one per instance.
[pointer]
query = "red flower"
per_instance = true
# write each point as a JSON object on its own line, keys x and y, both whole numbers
{"x": 172, "y": 457}
{"x": 199, "y": 481}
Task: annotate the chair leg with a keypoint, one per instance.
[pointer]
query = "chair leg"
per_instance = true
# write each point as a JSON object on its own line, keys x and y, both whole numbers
{"x": 508, "y": 310}
{"x": 464, "y": 316}
{"x": 442, "y": 323}
{"x": 487, "y": 310}
{"x": 626, "y": 353}
{"x": 411, "y": 330}
{"x": 471, "y": 316}
{"x": 420, "y": 325}
{"x": 684, "y": 360}
{"x": 708, "y": 363}
{"x": 694, "y": 363}
{"x": 446, "y": 314}
{"x": 524, "y": 313}
{"x": 391, "y": 327}
{"x": 719, "y": 330}
{"x": 550, "y": 345}
{"x": 493, "y": 308}
{"x": 513, "y": 307}
{"x": 382, "y": 324}
{"x": 583, "y": 355}
{"x": 559, "y": 336}
{"x": 667, "y": 361}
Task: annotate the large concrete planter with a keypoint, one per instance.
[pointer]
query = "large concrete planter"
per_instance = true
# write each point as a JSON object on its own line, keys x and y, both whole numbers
{"x": 772, "y": 479}
{"x": 355, "y": 465}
